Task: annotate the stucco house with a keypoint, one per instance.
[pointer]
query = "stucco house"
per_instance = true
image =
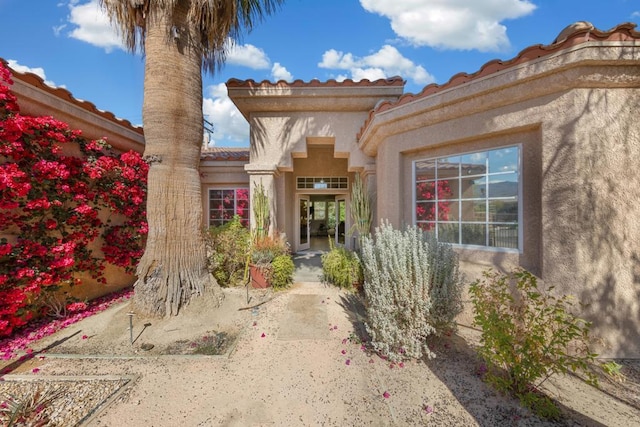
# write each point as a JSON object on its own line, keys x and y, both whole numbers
{"x": 529, "y": 162}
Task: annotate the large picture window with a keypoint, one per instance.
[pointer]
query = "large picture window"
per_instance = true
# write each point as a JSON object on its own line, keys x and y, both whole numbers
{"x": 470, "y": 199}
{"x": 225, "y": 203}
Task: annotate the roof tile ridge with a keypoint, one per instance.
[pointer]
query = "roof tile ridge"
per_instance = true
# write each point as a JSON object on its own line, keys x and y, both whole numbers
{"x": 390, "y": 81}
{"x": 63, "y": 93}
{"x": 495, "y": 65}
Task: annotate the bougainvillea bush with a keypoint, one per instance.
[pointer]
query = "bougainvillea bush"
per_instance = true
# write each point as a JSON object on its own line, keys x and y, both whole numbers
{"x": 60, "y": 196}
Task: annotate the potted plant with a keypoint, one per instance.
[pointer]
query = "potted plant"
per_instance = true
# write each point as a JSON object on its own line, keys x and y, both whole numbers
{"x": 270, "y": 263}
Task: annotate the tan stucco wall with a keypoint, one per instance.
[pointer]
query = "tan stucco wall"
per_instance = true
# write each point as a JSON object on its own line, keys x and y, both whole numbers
{"x": 578, "y": 125}
{"x": 277, "y": 140}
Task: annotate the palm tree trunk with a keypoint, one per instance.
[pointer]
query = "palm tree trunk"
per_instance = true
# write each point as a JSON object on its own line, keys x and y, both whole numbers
{"x": 173, "y": 268}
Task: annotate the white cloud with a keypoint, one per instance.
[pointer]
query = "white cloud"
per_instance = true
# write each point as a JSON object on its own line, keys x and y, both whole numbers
{"x": 278, "y": 72}
{"x": 38, "y": 71}
{"x": 228, "y": 122}
{"x": 636, "y": 14}
{"x": 247, "y": 55}
{"x": 387, "y": 62}
{"x": 451, "y": 24}
{"x": 92, "y": 25}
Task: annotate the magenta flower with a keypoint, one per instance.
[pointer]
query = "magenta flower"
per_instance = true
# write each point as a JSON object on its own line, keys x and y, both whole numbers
{"x": 35, "y": 370}
{"x": 344, "y": 352}
{"x": 386, "y": 395}
{"x": 263, "y": 335}
{"x": 347, "y": 362}
{"x": 84, "y": 337}
{"x": 401, "y": 364}
{"x": 344, "y": 341}
{"x": 428, "y": 409}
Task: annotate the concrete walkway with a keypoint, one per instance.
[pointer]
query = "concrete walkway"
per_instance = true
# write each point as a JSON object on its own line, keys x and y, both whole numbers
{"x": 308, "y": 266}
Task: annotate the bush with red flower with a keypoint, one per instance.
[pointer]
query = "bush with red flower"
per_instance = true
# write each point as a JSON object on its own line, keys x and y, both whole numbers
{"x": 59, "y": 195}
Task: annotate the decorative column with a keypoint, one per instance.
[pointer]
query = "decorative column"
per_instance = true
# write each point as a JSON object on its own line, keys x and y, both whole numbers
{"x": 265, "y": 175}
{"x": 368, "y": 176}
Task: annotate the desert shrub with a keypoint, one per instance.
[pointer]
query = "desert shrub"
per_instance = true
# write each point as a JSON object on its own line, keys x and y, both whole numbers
{"x": 412, "y": 290}
{"x": 528, "y": 334}
{"x": 341, "y": 267}
{"x": 282, "y": 271}
{"x": 229, "y": 246}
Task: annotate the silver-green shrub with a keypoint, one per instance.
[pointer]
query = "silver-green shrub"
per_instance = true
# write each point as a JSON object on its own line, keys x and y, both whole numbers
{"x": 412, "y": 290}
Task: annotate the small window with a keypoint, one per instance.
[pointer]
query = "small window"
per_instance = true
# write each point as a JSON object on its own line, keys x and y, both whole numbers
{"x": 322, "y": 183}
{"x": 471, "y": 199}
{"x": 224, "y": 204}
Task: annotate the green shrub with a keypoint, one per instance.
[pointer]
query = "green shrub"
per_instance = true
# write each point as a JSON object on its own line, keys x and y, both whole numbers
{"x": 282, "y": 272}
{"x": 341, "y": 267}
{"x": 528, "y": 334}
{"x": 412, "y": 290}
{"x": 228, "y": 249}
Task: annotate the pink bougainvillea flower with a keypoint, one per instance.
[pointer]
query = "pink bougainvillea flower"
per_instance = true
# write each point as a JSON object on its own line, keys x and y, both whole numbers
{"x": 401, "y": 364}
{"x": 428, "y": 409}
{"x": 347, "y": 362}
{"x": 84, "y": 337}
{"x": 363, "y": 347}
{"x": 344, "y": 341}
{"x": 344, "y": 352}
{"x": 335, "y": 327}
{"x": 386, "y": 395}
{"x": 35, "y": 370}
{"x": 263, "y": 335}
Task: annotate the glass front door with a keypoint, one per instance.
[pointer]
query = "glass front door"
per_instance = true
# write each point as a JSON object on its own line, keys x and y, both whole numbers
{"x": 304, "y": 238}
{"x": 341, "y": 220}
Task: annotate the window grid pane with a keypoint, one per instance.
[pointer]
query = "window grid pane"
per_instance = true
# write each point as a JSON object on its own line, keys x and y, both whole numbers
{"x": 322, "y": 182}
{"x": 471, "y": 199}
{"x": 224, "y": 204}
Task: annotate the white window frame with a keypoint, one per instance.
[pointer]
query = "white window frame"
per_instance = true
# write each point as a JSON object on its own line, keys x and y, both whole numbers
{"x": 486, "y": 223}
{"x": 235, "y": 202}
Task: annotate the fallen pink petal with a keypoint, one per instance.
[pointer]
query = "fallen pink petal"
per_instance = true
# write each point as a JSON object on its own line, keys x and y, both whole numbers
{"x": 263, "y": 335}
{"x": 344, "y": 352}
{"x": 428, "y": 409}
{"x": 386, "y": 395}
{"x": 347, "y": 362}
{"x": 401, "y": 364}
{"x": 35, "y": 370}
{"x": 84, "y": 337}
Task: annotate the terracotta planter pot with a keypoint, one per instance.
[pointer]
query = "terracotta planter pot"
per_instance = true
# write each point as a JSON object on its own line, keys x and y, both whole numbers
{"x": 258, "y": 281}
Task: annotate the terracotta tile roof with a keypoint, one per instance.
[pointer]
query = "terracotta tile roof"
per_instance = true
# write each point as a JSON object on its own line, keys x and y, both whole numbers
{"x": 64, "y": 94}
{"x": 392, "y": 81}
{"x": 566, "y": 39}
{"x": 225, "y": 153}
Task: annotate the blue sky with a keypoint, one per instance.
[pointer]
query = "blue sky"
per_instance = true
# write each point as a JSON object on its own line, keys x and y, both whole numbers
{"x": 70, "y": 44}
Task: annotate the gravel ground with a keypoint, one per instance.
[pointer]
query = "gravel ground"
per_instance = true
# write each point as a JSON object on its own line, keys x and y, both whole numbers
{"x": 272, "y": 377}
{"x": 73, "y": 400}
